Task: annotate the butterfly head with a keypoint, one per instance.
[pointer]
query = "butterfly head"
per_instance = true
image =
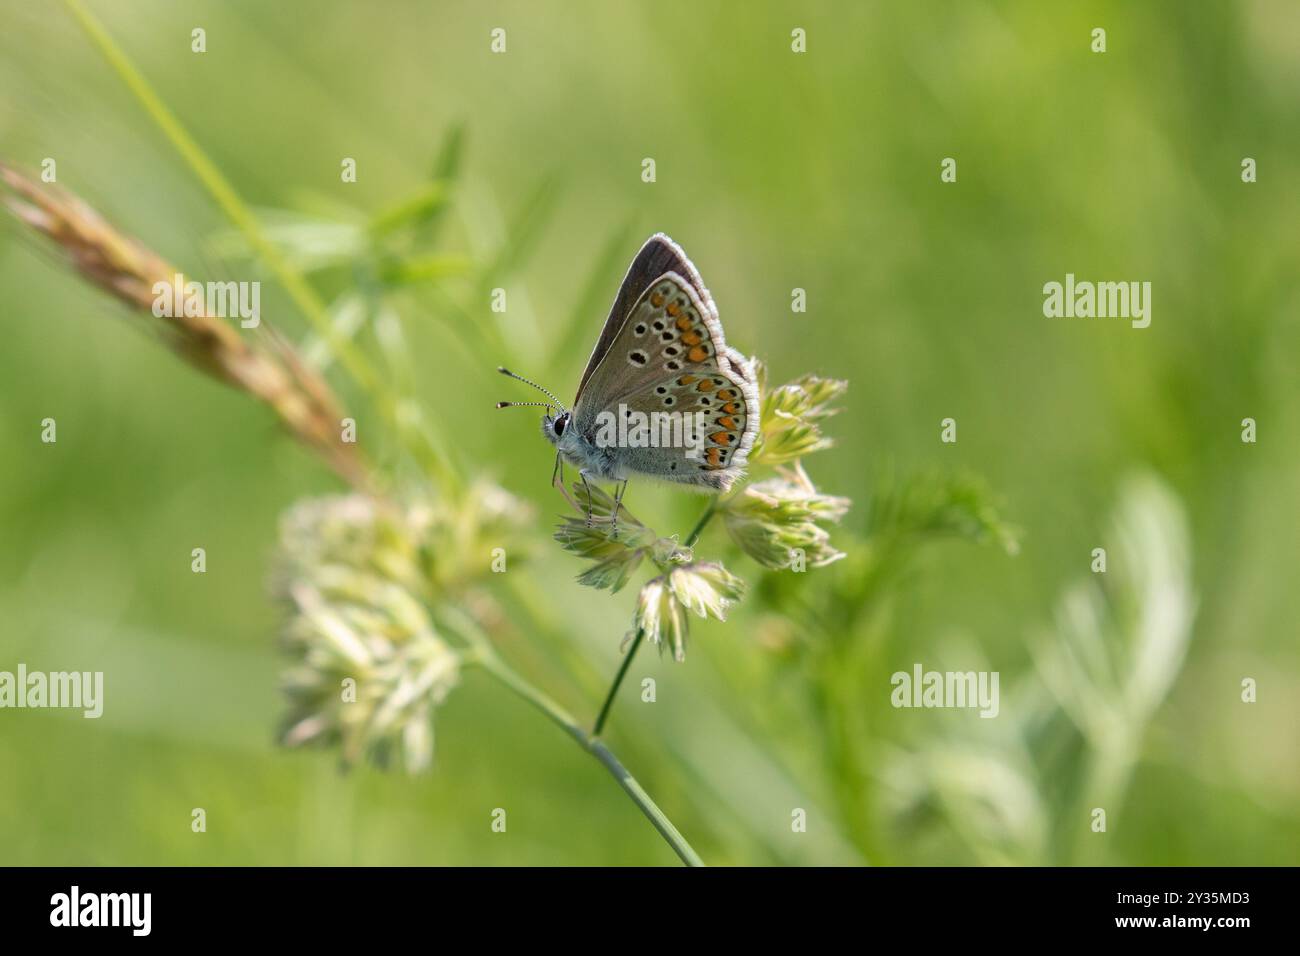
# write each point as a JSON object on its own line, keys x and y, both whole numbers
{"x": 554, "y": 426}
{"x": 555, "y": 422}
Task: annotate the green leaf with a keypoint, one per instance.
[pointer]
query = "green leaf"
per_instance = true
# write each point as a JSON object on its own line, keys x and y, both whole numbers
{"x": 596, "y": 295}
{"x": 523, "y": 234}
{"x": 415, "y": 211}
{"x": 446, "y": 166}
{"x": 934, "y": 505}
{"x": 403, "y": 272}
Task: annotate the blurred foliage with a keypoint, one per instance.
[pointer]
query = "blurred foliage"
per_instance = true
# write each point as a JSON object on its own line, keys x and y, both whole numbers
{"x": 819, "y": 171}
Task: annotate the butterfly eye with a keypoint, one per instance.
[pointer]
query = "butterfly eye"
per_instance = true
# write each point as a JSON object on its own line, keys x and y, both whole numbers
{"x": 559, "y": 425}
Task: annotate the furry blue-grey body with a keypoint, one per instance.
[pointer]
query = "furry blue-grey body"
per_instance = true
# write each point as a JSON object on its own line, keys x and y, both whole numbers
{"x": 583, "y": 453}
{"x": 620, "y": 464}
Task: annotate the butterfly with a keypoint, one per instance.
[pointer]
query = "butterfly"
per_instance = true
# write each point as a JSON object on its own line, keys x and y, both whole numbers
{"x": 663, "y": 395}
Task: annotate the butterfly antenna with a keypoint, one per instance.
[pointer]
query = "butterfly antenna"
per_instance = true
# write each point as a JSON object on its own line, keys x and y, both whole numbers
{"x": 505, "y": 371}
{"x": 525, "y": 405}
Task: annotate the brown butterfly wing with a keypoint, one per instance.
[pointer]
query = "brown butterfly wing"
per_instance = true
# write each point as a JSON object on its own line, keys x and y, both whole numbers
{"x": 724, "y": 394}
{"x": 658, "y": 256}
{"x": 670, "y": 356}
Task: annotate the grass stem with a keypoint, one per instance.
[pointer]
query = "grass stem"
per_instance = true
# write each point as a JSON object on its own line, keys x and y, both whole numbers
{"x": 488, "y": 659}
{"x": 613, "y": 688}
{"x": 694, "y": 536}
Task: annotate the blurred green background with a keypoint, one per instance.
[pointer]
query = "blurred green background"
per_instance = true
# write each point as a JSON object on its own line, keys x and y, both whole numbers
{"x": 775, "y": 170}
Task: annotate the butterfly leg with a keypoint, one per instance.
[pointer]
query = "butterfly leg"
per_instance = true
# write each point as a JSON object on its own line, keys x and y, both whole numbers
{"x": 582, "y": 473}
{"x": 557, "y": 481}
{"x": 618, "y": 502}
